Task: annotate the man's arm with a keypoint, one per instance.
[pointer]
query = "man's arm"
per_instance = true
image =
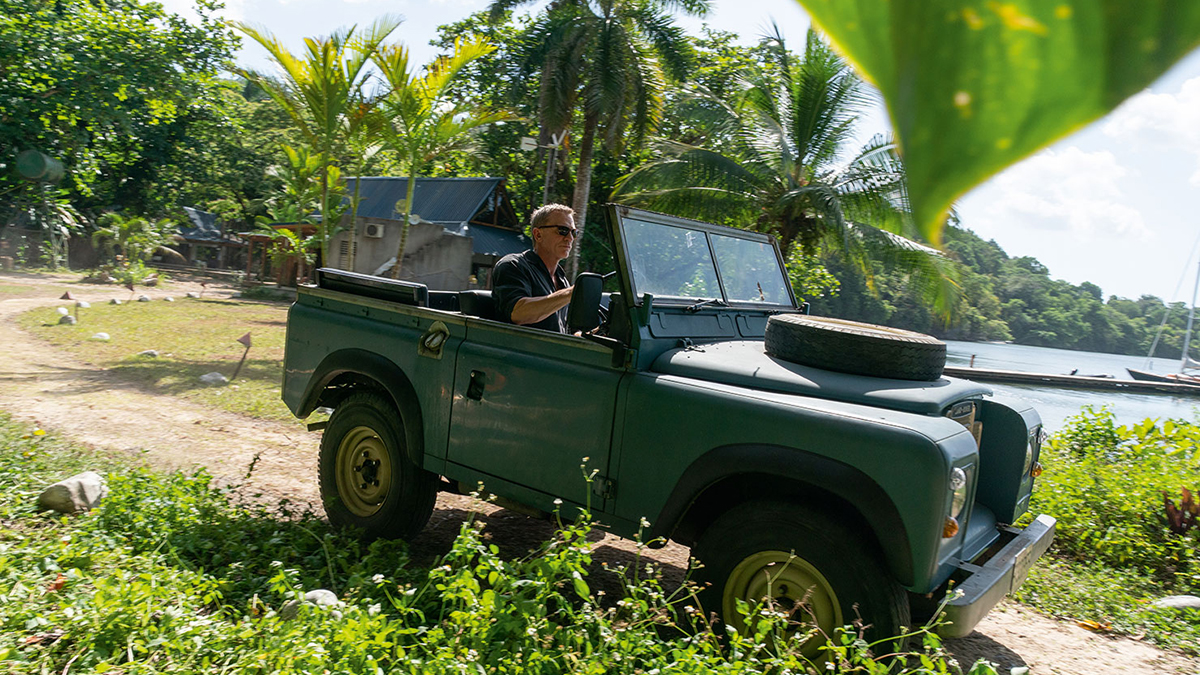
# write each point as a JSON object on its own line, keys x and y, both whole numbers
{"x": 533, "y": 310}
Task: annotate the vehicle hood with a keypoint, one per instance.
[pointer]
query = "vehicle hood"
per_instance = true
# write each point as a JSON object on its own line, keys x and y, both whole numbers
{"x": 745, "y": 364}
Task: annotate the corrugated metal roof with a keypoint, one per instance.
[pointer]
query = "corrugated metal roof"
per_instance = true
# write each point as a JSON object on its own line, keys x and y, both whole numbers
{"x": 496, "y": 240}
{"x": 436, "y": 200}
{"x": 204, "y": 227}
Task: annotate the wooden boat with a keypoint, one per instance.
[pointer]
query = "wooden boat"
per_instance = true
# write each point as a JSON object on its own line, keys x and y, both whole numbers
{"x": 1174, "y": 378}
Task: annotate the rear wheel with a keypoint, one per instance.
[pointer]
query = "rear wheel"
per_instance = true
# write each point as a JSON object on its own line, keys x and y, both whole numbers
{"x": 811, "y": 566}
{"x": 367, "y": 480}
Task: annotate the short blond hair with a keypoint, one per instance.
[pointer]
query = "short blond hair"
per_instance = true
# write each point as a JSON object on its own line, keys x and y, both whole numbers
{"x": 543, "y": 213}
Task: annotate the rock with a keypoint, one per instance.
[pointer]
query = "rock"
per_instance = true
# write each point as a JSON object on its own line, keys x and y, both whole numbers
{"x": 81, "y": 492}
{"x": 149, "y": 354}
{"x": 215, "y": 379}
{"x": 82, "y": 304}
{"x": 319, "y": 597}
{"x": 68, "y": 320}
{"x": 1177, "y": 601}
{"x": 151, "y": 280}
{"x": 193, "y": 294}
{"x": 101, "y": 336}
{"x": 143, "y": 298}
{"x": 63, "y": 311}
{"x": 169, "y": 299}
{"x": 114, "y": 301}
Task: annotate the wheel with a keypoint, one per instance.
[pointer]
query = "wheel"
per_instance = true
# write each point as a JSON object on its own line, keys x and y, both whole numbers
{"x": 367, "y": 480}
{"x": 812, "y": 566}
{"x": 853, "y": 347}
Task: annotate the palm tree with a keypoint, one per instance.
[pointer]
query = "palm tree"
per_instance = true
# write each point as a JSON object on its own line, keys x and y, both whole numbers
{"x": 775, "y": 158}
{"x": 323, "y": 94}
{"x": 421, "y": 119}
{"x": 611, "y": 59}
{"x": 135, "y": 237}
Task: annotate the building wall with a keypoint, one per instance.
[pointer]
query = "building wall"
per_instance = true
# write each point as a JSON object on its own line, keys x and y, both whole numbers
{"x": 432, "y": 256}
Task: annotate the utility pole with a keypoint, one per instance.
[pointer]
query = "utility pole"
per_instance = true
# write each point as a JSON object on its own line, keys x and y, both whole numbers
{"x": 528, "y": 144}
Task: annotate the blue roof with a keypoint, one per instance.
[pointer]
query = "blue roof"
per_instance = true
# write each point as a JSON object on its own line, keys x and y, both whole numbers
{"x": 436, "y": 200}
{"x": 496, "y": 240}
{"x": 204, "y": 227}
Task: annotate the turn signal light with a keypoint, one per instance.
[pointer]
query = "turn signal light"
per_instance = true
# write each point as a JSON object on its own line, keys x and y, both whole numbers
{"x": 1036, "y": 470}
{"x": 949, "y": 528}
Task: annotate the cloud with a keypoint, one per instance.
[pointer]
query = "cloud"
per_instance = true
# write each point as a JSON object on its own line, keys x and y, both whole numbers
{"x": 1161, "y": 120}
{"x": 1068, "y": 190}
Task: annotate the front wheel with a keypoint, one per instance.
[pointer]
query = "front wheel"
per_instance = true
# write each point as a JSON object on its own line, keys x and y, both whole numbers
{"x": 811, "y": 566}
{"x": 367, "y": 480}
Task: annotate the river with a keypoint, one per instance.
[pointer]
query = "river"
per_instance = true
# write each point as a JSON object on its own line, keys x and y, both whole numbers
{"x": 1055, "y": 405}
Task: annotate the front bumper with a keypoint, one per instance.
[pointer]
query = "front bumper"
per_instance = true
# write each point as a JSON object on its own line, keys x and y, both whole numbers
{"x": 1001, "y": 574}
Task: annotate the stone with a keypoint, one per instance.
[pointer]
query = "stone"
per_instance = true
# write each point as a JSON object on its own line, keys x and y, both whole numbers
{"x": 114, "y": 301}
{"x": 82, "y": 304}
{"x": 81, "y": 492}
{"x": 149, "y": 354}
{"x": 151, "y": 280}
{"x": 193, "y": 294}
{"x": 63, "y": 311}
{"x": 101, "y": 336}
{"x": 1177, "y": 601}
{"x": 169, "y": 299}
{"x": 143, "y": 298}
{"x": 319, "y": 597}
{"x": 214, "y": 379}
{"x": 68, "y": 320}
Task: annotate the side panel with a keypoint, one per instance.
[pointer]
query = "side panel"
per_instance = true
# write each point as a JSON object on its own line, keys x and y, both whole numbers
{"x": 322, "y": 322}
{"x": 530, "y": 406}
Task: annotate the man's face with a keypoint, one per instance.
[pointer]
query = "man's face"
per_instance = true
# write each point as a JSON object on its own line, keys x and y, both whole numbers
{"x": 549, "y": 238}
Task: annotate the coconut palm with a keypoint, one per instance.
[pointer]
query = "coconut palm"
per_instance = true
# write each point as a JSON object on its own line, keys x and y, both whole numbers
{"x": 610, "y": 60}
{"x": 323, "y": 92}
{"x": 422, "y": 119}
{"x": 775, "y": 158}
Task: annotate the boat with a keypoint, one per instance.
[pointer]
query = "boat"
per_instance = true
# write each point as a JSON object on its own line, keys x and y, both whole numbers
{"x": 1186, "y": 363}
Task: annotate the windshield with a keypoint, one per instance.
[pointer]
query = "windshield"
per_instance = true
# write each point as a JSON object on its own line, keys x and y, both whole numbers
{"x": 674, "y": 261}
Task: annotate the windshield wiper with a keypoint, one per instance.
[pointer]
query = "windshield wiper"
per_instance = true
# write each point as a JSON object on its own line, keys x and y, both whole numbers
{"x": 705, "y": 303}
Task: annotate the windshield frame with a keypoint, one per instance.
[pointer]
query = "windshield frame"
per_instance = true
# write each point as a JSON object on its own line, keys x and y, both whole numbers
{"x": 618, "y": 213}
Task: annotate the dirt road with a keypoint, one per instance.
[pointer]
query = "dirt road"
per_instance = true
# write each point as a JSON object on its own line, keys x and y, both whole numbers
{"x": 82, "y": 401}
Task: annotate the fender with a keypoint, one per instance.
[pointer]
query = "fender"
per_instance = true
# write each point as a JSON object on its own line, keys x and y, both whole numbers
{"x": 346, "y": 364}
{"x": 799, "y": 469}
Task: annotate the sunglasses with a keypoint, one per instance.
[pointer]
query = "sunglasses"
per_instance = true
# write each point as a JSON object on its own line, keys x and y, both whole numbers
{"x": 563, "y": 231}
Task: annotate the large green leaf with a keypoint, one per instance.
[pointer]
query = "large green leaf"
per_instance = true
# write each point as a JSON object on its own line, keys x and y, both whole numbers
{"x": 974, "y": 86}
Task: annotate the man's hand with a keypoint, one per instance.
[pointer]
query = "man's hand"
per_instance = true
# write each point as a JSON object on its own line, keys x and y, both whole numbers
{"x": 533, "y": 310}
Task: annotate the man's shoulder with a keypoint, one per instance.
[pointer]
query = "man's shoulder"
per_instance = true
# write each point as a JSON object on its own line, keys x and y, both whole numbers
{"x": 513, "y": 260}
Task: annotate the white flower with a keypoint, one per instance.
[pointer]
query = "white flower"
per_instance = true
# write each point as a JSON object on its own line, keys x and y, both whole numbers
{"x": 377, "y": 579}
{"x": 374, "y": 609}
{"x": 643, "y": 522}
{"x": 558, "y": 502}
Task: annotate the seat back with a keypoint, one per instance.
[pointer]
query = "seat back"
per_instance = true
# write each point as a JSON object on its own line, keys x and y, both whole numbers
{"x": 477, "y": 303}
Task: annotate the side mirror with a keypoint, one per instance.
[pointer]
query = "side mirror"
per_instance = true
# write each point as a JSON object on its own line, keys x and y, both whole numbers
{"x": 583, "y": 314}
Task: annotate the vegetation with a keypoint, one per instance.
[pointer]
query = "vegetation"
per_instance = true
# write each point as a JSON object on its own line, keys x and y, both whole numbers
{"x": 171, "y": 574}
{"x": 1115, "y": 549}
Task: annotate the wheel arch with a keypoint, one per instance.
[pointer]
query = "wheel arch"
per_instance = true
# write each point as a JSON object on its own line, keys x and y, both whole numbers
{"x": 709, "y": 487}
{"x": 346, "y": 371}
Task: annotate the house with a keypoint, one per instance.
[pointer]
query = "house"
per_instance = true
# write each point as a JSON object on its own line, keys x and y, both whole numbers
{"x": 205, "y": 240}
{"x": 461, "y": 227}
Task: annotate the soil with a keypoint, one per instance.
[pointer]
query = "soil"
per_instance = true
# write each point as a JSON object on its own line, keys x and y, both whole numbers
{"x": 83, "y": 402}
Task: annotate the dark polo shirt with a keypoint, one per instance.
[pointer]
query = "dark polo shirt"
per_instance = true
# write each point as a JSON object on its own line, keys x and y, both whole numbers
{"x": 524, "y": 275}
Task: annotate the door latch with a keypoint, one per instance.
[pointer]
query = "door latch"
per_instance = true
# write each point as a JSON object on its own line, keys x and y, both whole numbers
{"x": 477, "y": 384}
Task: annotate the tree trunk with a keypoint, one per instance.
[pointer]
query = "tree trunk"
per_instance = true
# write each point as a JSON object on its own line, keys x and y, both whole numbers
{"x": 408, "y": 201}
{"x": 354, "y": 219}
{"x": 323, "y": 228}
{"x": 583, "y": 188}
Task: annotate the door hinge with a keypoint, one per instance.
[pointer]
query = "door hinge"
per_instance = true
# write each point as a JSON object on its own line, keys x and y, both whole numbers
{"x": 604, "y": 487}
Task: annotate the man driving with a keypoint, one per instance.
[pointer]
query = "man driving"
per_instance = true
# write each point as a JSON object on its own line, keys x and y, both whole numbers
{"x": 531, "y": 288}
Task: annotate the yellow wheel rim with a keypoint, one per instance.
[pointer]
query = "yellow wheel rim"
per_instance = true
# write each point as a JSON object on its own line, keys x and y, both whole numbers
{"x": 796, "y": 588}
{"x": 364, "y": 471}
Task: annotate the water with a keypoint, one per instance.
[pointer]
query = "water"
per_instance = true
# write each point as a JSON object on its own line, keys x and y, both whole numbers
{"x": 1055, "y": 405}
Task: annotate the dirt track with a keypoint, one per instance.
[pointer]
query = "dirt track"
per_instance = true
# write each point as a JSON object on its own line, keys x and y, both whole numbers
{"x": 87, "y": 404}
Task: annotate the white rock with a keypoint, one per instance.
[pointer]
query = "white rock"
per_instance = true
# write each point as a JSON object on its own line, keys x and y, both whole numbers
{"x": 1176, "y": 601}
{"x": 68, "y": 319}
{"x": 169, "y": 299}
{"x": 82, "y": 304}
{"x": 319, "y": 597}
{"x": 114, "y": 301}
{"x": 149, "y": 353}
{"x": 64, "y": 311}
{"x": 214, "y": 378}
{"x": 193, "y": 294}
{"x": 81, "y": 492}
{"x": 101, "y": 336}
{"x": 143, "y": 298}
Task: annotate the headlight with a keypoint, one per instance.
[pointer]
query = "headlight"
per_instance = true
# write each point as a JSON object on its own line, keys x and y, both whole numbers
{"x": 958, "y": 486}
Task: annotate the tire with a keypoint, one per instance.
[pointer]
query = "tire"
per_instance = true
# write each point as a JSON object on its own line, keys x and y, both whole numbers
{"x": 367, "y": 480}
{"x": 797, "y": 552}
{"x": 853, "y": 347}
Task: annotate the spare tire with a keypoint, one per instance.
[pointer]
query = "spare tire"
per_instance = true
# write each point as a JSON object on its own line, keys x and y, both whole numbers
{"x": 853, "y": 347}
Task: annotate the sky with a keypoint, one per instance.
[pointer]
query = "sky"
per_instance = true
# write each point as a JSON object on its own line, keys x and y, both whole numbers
{"x": 1113, "y": 204}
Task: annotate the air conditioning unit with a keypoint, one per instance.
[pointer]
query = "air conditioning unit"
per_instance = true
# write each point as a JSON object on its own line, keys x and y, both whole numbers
{"x": 373, "y": 230}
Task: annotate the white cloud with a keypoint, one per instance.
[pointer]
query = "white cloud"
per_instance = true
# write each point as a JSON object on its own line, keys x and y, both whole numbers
{"x": 1068, "y": 190}
{"x": 1161, "y": 120}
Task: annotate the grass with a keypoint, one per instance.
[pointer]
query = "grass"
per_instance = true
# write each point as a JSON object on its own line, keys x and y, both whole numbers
{"x": 172, "y": 575}
{"x": 192, "y": 336}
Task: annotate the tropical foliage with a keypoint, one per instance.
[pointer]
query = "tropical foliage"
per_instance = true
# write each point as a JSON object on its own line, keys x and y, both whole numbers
{"x": 134, "y": 238}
